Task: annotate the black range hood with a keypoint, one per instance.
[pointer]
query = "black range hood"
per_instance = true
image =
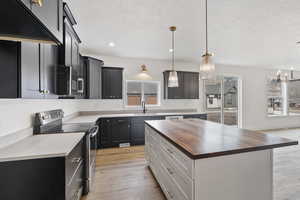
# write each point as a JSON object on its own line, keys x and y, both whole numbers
{"x": 17, "y": 23}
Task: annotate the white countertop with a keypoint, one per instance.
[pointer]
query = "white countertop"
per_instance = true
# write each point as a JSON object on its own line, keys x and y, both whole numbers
{"x": 93, "y": 118}
{"x": 41, "y": 146}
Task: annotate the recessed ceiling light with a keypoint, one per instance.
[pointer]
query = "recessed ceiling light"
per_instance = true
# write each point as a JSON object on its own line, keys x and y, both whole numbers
{"x": 171, "y": 50}
{"x": 111, "y": 44}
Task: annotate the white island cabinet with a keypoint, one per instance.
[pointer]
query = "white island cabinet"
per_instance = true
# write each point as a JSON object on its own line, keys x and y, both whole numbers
{"x": 188, "y": 169}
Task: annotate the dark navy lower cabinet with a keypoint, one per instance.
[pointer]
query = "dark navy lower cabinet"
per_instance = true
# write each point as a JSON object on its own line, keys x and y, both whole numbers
{"x": 59, "y": 178}
{"x": 116, "y": 132}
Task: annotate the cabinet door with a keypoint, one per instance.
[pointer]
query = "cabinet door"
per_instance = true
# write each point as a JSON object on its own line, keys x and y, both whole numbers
{"x": 68, "y": 45}
{"x": 105, "y": 133}
{"x": 120, "y": 131}
{"x": 191, "y": 85}
{"x": 49, "y": 60}
{"x": 106, "y": 94}
{"x": 94, "y": 79}
{"x": 98, "y": 88}
{"x": 50, "y": 14}
{"x": 116, "y": 81}
{"x": 9, "y": 69}
{"x": 138, "y": 130}
{"x": 112, "y": 83}
{"x": 75, "y": 53}
{"x": 175, "y": 92}
{"x": 195, "y": 86}
{"x": 30, "y": 64}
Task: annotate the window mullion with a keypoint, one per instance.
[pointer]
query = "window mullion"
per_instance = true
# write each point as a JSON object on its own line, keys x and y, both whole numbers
{"x": 142, "y": 87}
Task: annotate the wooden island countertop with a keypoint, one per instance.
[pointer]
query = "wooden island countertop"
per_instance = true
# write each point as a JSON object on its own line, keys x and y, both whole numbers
{"x": 204, "y": 139}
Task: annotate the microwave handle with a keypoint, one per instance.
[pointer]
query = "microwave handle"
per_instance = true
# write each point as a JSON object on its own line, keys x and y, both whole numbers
{"x": 80, "y": 90}
{"x": 70, "y": 80}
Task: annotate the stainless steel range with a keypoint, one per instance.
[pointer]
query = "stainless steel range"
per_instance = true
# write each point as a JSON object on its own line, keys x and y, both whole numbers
{"x": 50, "y": 122}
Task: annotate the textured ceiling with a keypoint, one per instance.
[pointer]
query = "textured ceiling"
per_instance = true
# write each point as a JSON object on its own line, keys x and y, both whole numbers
{"x": 241, "y": 32}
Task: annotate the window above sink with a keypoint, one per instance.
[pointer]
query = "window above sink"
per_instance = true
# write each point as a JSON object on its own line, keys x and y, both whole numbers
{"x": 139, "y": 91}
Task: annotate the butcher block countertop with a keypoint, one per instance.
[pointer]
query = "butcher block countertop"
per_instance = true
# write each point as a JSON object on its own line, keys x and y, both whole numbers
{"x": 203, "y": 139}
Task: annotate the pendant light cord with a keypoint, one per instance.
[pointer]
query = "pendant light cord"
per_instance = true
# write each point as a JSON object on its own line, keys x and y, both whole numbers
{"x": 173, "y": 50}
{"x": 206, "y": 24}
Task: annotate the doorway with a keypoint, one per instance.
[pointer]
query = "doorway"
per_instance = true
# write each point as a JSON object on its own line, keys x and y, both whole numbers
{"x": 222, "y": 100}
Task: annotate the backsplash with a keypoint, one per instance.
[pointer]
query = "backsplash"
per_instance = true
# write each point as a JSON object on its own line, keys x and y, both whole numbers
{"x": 17, "y": 114}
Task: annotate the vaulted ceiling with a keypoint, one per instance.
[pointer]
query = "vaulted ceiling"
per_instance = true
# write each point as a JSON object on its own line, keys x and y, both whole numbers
{"x": 241, "y": 32}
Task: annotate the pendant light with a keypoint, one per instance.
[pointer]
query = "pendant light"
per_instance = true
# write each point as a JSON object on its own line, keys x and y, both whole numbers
{"x": 207, "y": 67}
{"x": 173, "y": 77}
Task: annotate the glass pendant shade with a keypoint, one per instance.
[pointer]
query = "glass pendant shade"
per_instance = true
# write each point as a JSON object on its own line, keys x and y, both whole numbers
{"x": 207, "y": 67}
{"x": 173, "y": 79}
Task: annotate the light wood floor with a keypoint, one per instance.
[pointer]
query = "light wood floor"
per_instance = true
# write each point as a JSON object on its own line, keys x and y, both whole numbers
{"x": 122, "y": 173}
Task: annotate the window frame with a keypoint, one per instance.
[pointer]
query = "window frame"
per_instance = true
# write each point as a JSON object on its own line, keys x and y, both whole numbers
{"x": 158, "y": 83}
{"x": 285, "y": 102}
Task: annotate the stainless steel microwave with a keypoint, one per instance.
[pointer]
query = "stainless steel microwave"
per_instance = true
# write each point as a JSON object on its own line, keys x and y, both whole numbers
{"x": 66, "y": 81}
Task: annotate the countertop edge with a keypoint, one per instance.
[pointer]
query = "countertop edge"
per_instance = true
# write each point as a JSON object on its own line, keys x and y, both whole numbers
{"x": 44, "y": 156}
{"x": 21, "y": 158}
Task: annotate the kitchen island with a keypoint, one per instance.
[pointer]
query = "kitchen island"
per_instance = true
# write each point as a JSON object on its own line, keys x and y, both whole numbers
{"x": 195, "y": 159}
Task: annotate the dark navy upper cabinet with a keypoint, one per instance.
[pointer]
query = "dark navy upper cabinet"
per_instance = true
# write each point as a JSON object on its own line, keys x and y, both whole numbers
{"x": 188, "y": 86}
{"x": 23, "y": 19}
{"x": 50, "y": 13}
{"x": 112, "y": 83}
{"x": 93, "y": 78}
{"x": 30, "y": 63}
{"x": 50, "y": 16}
{"x": 9, "y": 69}
{"x": 49, "y": 60}
{"x": 38, "y": 62}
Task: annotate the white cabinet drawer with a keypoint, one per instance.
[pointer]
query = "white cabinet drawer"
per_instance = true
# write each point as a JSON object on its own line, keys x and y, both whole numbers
{"x": 184, "y": 182}
{"x": 179, "y": 158}
{"x": 171, "y": 190}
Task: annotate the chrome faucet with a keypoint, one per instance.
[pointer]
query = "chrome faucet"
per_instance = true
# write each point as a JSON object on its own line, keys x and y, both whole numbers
{"x": 144, "y": 106}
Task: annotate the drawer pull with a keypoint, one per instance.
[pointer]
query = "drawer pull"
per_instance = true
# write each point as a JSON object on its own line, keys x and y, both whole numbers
{"x": 170, "y": 151}
{"x": 170, "y": 171}
{"x": 170, "y": 194}
{"x": 76, "y": 160}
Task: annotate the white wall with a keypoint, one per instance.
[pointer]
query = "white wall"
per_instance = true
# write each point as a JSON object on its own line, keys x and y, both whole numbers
{"x": 254, "y": 83}
{"x": 254, "y": 95}
{"x": 17, "y": 114}
{"x": 131, "y": 69}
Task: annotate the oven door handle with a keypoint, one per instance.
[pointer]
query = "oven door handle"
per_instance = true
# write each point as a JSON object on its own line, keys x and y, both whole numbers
{"x": 94, "y": 131}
